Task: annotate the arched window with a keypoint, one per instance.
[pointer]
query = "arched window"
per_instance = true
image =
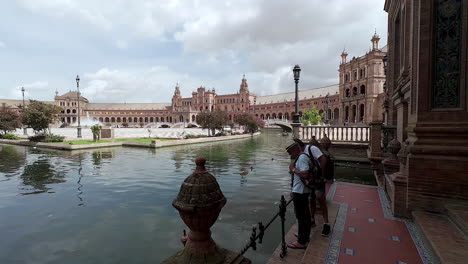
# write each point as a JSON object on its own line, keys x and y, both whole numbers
{"x": 361, "y": 112}
{"x": 162, "y": 119}
{"x": 347, "y": 114}
{"x": 193, "y": 118}
{"x": 267, "y": 116}
{"x": 354, "y": 114}
{"x": 273, "y": 116}
{"x": 363, "y": 89}
{"x": 119, "y": 120}
{"x": 113, "y": 119}
{"x": 124, "y": 120}
{"x": 68, "y": 111}
{"x": 74, "y": 111}
{"x": 151, "y": 119}
{"x": 347, "y": 93}
{"x": 106, "y": 120}
{"x": 262, "y": 117}
{"x": 101, "y": 120}
{"x": 146, "y": 119}
{"x": 157, "y": 119}
{"x": 135, "y": 119}
{"x": 354, "y": 91}
{"x": 141, "y": 119}
{"x": 336, "y": 114}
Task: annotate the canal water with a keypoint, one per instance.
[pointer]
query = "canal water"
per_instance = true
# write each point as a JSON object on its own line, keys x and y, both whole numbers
{"x": 114, "y": 205}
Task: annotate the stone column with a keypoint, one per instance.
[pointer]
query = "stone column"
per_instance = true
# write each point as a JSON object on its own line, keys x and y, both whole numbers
{"x": 296, "y": 127}
{"x": 375, "y": 150}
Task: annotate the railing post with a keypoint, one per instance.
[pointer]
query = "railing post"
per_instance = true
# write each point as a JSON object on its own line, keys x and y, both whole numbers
{"x": 282, "y": 213}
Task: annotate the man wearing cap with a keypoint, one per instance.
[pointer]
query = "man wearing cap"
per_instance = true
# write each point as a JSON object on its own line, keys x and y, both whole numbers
{"x": 300, "y": 193}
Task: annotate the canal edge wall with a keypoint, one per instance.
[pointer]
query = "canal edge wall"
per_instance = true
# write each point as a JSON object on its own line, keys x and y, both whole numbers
{"x": 159, "y": 144}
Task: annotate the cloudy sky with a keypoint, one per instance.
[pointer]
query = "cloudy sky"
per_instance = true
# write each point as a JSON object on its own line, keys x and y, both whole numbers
{"x": 137, "y": 50}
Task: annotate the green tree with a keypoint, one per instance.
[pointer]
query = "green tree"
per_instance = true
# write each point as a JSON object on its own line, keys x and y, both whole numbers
{"x": 39, "y": 115}
{"x": 212, "y": 120}
{"x": 9, "y": 120}
{"x": 250, "y": 123}
{"x": 311, "y": 116}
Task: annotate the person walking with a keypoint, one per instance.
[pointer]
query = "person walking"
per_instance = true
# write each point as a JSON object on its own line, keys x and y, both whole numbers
{"x": 300, "y": 193}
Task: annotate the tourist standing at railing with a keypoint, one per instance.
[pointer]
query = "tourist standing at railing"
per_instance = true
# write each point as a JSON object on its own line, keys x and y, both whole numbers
{"x": 300, "y": 193}
{"x": 318, "y": 192}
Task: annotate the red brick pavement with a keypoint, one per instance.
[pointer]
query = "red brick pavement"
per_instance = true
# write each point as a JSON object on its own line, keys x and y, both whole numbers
{"x": 368, "y": 236}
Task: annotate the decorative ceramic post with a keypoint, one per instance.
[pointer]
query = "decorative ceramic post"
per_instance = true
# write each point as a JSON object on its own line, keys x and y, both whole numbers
{"x": 199, "y": 203}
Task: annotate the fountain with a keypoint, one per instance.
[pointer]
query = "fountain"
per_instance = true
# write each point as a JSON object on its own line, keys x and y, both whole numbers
{"x": 87, "y": 122}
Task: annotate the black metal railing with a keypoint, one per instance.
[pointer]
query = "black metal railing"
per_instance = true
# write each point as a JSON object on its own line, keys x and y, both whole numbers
{"x": 254, "y": 236}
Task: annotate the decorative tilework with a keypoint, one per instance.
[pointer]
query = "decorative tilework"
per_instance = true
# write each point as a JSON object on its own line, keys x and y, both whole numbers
{"x": 425, "y": 252}
{"x": 396, "y": 238}
{"x": 369, "y": 201}
{"x": 333, "y": 253}
{"x": 371, "y": 220}
{"x": 349, "y": 251}
{"x": 352, "y": 229}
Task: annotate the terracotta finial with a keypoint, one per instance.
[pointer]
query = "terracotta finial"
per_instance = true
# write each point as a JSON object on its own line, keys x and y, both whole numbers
{"x": 200, "y": 162}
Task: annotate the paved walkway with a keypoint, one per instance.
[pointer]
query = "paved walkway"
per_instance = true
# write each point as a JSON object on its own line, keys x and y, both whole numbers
{"x": 368, "y": 235}
{"x": 364, "y": 232}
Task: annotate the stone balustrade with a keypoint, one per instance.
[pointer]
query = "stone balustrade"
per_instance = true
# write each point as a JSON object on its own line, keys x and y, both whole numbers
{"x": 358, "y": 134}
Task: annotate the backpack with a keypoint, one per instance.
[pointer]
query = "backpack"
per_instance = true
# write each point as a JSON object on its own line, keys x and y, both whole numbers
{"x": 315, "y": 173}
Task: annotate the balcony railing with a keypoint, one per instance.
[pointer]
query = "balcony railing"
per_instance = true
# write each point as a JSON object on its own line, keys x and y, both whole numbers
{"x": 354, "y": 97}
{"x": 358, "y": 134}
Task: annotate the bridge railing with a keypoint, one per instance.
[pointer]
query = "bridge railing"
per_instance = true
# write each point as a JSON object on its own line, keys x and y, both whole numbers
{"x": 359, "y": 134}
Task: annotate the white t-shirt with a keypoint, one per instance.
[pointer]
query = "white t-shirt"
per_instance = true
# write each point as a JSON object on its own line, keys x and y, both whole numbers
{"x": 302, "y": 164}
{"x": 314, "y": 150}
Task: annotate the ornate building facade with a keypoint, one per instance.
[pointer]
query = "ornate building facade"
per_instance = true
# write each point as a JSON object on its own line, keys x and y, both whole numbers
{"x": 362, "y": 85}
{"x": 356, "y": 99}
{"x": 427, "y": 95}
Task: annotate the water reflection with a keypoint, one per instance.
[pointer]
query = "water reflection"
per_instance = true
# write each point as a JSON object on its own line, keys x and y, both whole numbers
{"x": 99, "y": 155}
{"x": 80, "y": 186}
{"x": 39, "y": 174}
{"x": 11, "y": 159}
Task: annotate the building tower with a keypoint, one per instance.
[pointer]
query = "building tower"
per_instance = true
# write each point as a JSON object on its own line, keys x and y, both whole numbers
{"x": 375, "y": 41}
{"x": 176, "y": 99}
{"x": 344, "y": 54}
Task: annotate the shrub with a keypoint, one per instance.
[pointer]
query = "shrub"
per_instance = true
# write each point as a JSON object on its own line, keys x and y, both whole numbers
{"x": 9, "y": 136}
{"x": 54, "y": 138}
{"x": 37, "y": 138}
{"x": 46, "y": 138}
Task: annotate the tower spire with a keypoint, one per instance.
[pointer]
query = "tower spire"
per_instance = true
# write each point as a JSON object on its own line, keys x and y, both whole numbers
{"x": 375, "y": 41}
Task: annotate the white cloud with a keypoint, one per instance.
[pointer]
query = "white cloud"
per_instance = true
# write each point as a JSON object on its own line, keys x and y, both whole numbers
{"x": 263, "y": 38}
{"x": 32, "y": 90}
{"x": 121, "y": 44}
{"x": 155, "y": 84}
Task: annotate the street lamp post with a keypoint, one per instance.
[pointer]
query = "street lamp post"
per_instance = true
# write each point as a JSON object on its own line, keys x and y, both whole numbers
{"x": 78, "y": 95}
{"x": 327, "y": 100}
{"x": 25, "y": 130}
{"x": 296, "y": 124}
